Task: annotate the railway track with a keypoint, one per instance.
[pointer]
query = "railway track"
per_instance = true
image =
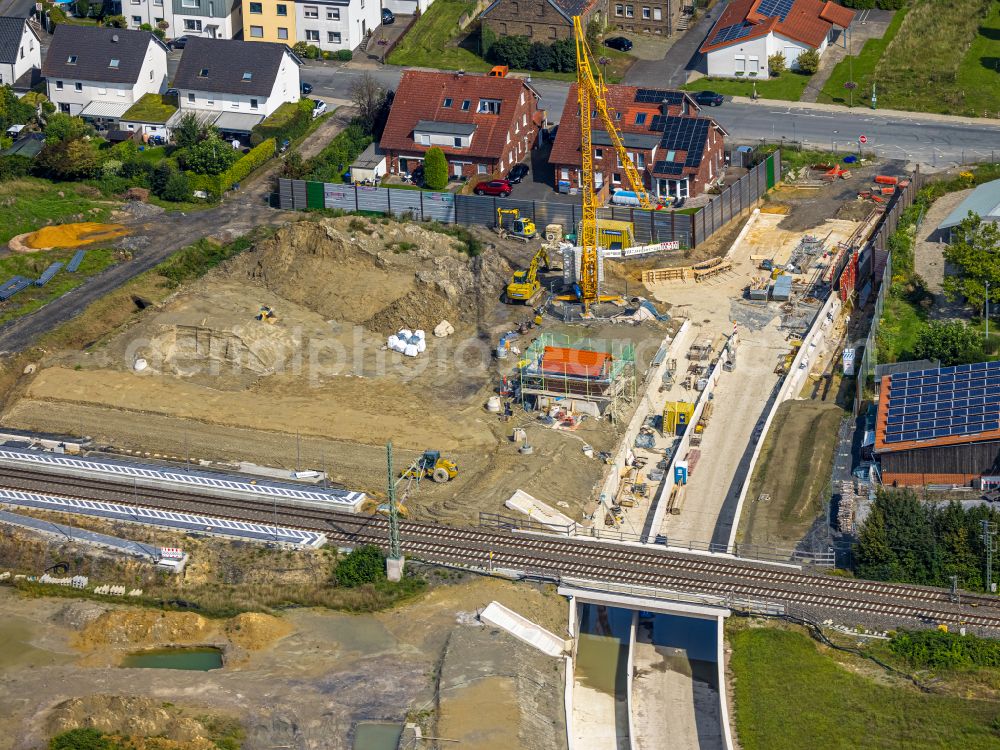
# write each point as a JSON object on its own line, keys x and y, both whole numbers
{"x": 549, "y": 556}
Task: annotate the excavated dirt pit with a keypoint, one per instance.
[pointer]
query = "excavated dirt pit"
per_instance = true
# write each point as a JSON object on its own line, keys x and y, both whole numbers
{"x": 200, "y": 376}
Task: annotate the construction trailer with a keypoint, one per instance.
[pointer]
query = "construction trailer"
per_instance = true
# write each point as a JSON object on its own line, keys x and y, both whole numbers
{"x": 586, "y": 376}
{"x": 781, "y": 290}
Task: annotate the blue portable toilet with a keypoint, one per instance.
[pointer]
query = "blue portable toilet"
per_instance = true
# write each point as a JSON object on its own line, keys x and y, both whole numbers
{"x": 681, "y": 472}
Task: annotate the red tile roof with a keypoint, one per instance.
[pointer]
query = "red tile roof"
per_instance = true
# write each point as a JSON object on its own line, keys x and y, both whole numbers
{"x": 808, "y": 21}
{"x": 566, "y": 149}
{"x": 421, "y": 94}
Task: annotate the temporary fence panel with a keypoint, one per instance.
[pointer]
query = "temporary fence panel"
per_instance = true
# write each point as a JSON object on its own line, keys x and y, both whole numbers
{"x": 314, "y": 195}
{"x": 438, "y": 207}
{"x": 372, "y": 199}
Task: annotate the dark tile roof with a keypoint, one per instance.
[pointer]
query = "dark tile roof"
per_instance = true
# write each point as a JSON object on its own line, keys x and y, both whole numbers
{"x": 11, "y": 30}
{"x": 226, "y": 61}
{"x": 94, "y": 48}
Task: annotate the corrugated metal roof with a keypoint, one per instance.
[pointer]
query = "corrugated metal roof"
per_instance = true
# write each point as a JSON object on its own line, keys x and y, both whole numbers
{"x": 105, "y": 109}
{"x": 984, "y": 201}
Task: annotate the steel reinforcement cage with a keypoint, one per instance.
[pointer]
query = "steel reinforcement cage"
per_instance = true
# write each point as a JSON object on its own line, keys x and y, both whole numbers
{"x": 616, "y": 384}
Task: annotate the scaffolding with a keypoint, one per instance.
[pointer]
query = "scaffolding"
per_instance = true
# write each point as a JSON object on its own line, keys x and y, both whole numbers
{"x": 609, "y": 390}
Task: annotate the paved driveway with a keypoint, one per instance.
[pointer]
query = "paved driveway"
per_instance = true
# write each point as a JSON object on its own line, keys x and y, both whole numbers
{"x": 682, "y": 57}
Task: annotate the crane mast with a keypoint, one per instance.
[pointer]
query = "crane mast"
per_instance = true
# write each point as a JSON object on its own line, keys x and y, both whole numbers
{"x": 590, "y": 90}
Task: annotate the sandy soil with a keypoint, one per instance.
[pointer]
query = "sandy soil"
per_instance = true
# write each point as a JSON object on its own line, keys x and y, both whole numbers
{"x": 928, "y": 253}
{"x": 306, "y": 689}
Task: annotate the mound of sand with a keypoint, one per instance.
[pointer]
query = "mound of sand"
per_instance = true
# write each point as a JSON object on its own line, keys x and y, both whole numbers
{"x": 380, "y": 276}
{"x": 254, "y": 631}
{"x": 122, "y": 627}
{"x": 68, "y": 236}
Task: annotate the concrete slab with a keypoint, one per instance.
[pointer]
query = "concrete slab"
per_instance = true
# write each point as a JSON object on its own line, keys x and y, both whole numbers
{"x": 524, "y": 629}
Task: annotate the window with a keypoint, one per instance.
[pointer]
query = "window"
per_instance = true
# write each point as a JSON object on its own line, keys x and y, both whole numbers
{"x": 598, "y": 153}
{"x": 136, "y": 2}
{"x": 423, "y": 139}
{"x": 311, "y": 11}
{"x": 740, "y": 64}
{"x": 282, "y": 9}
{"x": 514, "y": 9}
{"x": 640, "y": 160}
{"x": 282, "y": 32}
{"x": 115, "y": 62}
{"x": 618, "y": 115}
{"x": 552, "y": 32}
{"x": 564, "y": 174}
{"x": 447, "y": 102}
{"x": 333, "y": 37}
{"x": 71, "y": 60}
{"x": 619, "y": 10}
{"x": 253, "y": 104}
{"x": 754, "y": 65}
{"x": 524, "y": 120}
{"x": 137, "y": 20}
{"x": 333, "y": 14}
{"x": 481, "y": 168}
{"x": 190, "y": 98}
{"x": 362, "y": 4}
{"x": 489, "y": 106}
{"x": 191, "y": 24}
{"x": 203, "y": 73}
{"x": 256, "y": 8}
{"x": 190, "y": 3}
{"x": 256, "y": 32}
{"x": 458, "y": 143}
{"x": 465, "y": 105}
{"x": 503, "y": 29}
{"x": 640, "y": 118}
{"x": 645, "y": 13}
{"x": 78, "y": 86}
{"x": 657, "y": 14}
{"x": 616, "y": 178}
{"x": 247, "y": 76}
{"x": 529, "y": 31}
{"x": 312, "y": 35}
{"x": 64, "y": 108}
{"x": 508, "y": 137}
{"x": 629, "y": 11}
{"x": 151, "y": 75}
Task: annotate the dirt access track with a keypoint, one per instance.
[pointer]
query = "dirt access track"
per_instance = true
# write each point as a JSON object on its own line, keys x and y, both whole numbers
{"x": 199, "y": 375}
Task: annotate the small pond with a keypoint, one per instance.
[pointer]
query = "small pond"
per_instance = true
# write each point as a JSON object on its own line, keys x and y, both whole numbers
{"x": 377, "y": 736}
{"x": 198, "y": 659}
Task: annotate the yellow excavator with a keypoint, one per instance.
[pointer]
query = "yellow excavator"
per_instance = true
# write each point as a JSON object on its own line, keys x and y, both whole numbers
{"x": 520, "y": 229}
{"x": 524, "y": 285}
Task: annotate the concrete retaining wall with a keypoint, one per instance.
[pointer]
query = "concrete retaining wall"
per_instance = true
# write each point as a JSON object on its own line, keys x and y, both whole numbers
{"x": 727, "y": 732}
{"x": 629, "y": 678}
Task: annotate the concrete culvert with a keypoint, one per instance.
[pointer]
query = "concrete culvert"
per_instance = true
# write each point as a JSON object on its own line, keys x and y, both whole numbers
{"x": 140, "y": 302}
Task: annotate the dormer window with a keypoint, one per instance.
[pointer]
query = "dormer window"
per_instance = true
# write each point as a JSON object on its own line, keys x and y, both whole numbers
{"x": 115, "y": 62}
{"x": 489, "y": 106}
{"x": 203, "y": 73}
{"x": 640, "y": 118}
{"x": 248, "y": 76}
{"x": 71, "y": 60}
{"x": 465, "y": 105}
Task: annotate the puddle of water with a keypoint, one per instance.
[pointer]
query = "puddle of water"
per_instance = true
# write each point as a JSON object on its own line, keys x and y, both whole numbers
{"x": 602, "y": 648}
{"x": 16, "y": 649}
{"x": 197, "y": 659}
{"x": 360, "y": 634}
{"x": 377, "y": 736}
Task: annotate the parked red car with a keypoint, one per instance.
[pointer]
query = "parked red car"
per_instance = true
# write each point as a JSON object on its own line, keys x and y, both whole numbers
{"x": 494, "y": 187}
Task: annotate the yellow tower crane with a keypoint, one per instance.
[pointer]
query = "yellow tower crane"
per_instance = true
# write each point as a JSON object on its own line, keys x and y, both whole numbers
{"x": 591, "y": 91}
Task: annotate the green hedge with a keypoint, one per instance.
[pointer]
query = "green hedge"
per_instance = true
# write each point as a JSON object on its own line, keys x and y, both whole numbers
{"x": 216, "y": 185}
{"x": 288, "y": 121}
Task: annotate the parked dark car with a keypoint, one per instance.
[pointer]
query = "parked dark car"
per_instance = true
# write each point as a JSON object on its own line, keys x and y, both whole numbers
{"x": 171, "y": 92}
{"x": 619, "y": 43}
{"x": 709, "y": 98}
{"x": 307, "y": 88}
{"x": 517, "y": 173}
{"x": 387, "y": 17}
{"x": 179, "y": 43}
{"x": 494, "y": 187}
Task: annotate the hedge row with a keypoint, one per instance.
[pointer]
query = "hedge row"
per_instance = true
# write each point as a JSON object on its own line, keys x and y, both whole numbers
{"x": 281, "y": 127}
{"x": 216, "y": 185}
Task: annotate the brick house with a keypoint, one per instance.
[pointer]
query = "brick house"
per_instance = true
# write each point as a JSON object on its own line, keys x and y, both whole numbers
{"x": 648, "y": 16}
{"x": 541, "y": 20}
{"x": 678, "y": 152}
{"x": 484, "y": 125}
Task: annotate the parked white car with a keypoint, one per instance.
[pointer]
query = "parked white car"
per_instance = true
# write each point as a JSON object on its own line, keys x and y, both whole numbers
{"x": 319, "y": 108}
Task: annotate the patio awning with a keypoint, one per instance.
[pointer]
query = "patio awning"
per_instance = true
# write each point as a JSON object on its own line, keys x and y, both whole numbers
{"x": 237, "y": 122}
{"x": 112, "y": 110}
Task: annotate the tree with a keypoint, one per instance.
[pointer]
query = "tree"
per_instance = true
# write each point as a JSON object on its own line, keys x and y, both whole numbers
{"x": 487, "y": 38}
{"x": 161, "y": 176}
{"x": 873, "y": 555}
{"x": 295, "y": 167}
{"x": 210, "y": 156}
{"x": 188, "y": 131}
{"x": 594, "y": 30}
{"x": 81, "y": 739}
{"x": 953, "y": 342}
{"x": 83, "y": 8}
{"x": 62, "y": 127}
{"x": 540, "y": 56}
{"x": 369, "y": 97}
{"x": 974, "y": 252}
{"x": 435, "y": 169}
{"x": 116, "y": 22}
{"x": 564, "y": 56}
{"x": 808, "y": 62}
{"x": 70, "y": 160}
{"x": 776, "y": 64}
{"x": 13, "y": 111}
{"x": 511, "y": 51}
{"x": 177, "y": 188}
{"x": 362, "y": 566}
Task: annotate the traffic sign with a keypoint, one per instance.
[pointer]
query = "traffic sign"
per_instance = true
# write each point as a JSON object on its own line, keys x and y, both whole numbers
{"x": 862, "y": 139}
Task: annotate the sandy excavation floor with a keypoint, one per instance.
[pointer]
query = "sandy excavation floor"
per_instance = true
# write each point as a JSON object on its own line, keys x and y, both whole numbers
{"x": 300, "y": 680}
{"x": 316, "y": 389}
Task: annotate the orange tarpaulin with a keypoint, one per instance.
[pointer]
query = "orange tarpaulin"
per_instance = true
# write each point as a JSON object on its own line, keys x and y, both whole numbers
{"x": 557, "y": 360}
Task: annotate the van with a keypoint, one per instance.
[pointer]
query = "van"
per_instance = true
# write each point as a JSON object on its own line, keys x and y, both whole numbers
{"x": 499, "y": 71}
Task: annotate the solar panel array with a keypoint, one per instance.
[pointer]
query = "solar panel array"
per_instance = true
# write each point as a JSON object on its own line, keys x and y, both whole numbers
{"x": 780, "y": 8}
{"x": 685, "y": 134}
{"x": 733, "y": 32}
{"x": 943, "y": 402}
{"x": 668, "y": 168}
{"x": 655, "y": 96}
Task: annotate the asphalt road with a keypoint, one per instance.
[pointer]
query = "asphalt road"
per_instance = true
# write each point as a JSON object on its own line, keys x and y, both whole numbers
{"x": 16, "y": 8}
{"x": 936, "y": 142}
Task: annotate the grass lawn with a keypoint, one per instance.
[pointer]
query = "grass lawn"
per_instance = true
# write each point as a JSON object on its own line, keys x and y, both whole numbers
{"x": 789, "y": 695}
{"x": 900, "y": 327}
{"x": 29, "y": 203}
{"x": 32, "y": 266}
{"x": 152, "y": 108}
{"x": 949, "y": 71}
{"x": 788, "y": 86}
{"x": 864, "y": 68}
